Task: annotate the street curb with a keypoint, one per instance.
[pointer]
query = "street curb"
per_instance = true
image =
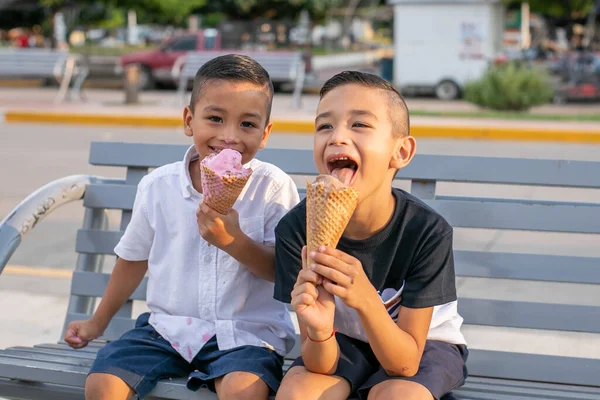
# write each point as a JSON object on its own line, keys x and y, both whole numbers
{"x": 307, "y": 127}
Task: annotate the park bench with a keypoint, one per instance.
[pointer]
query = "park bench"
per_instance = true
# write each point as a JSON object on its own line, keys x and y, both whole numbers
{"x": 56, "y": 371}
{"x": 69, "y": 70}
{"x": 284, "y": 67}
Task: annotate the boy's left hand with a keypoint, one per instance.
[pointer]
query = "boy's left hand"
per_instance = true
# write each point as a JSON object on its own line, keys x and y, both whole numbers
{"x": 346, "y": 278}
{"x": 218, "y": 229}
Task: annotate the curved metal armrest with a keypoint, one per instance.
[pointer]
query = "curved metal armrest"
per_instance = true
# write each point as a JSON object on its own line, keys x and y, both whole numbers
{"x": 25, "y": 216}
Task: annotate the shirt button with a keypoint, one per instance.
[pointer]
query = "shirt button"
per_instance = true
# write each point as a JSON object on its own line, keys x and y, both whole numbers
{"x": 206, "y": 311}
{"x": 207, "y": 259}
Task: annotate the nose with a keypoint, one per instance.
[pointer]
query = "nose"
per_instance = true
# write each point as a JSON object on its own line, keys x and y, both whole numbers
{"x": 229, "y": 136}
{"x": 339, "y": 136}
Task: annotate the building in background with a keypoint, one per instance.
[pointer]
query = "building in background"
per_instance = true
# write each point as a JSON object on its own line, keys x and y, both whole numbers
{"x": 439, "y": 45}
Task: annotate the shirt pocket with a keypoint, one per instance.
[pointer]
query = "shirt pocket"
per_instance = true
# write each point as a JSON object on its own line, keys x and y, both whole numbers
{"x": 254, "y": 228}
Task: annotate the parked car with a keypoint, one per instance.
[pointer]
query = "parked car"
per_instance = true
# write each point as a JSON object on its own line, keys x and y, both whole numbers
{"x": 156, "y": 65}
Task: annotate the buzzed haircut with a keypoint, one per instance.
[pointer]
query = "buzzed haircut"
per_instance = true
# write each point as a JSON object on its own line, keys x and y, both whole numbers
{"x": 233, "y": 68}
{"x": 398, "y": 109}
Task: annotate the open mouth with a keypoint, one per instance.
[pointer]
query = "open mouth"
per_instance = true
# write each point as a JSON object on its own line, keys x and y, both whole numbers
{"x": 343, "y": 168}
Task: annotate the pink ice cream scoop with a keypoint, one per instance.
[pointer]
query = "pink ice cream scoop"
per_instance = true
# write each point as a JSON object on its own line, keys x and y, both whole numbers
{"x": 223, "y": 179}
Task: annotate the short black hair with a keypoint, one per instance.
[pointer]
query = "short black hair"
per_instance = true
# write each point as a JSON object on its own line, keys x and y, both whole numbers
{"x": 399, "y": 123}
{"x": 233, "y": 68}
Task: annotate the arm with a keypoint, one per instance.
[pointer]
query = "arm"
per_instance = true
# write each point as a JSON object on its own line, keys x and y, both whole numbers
{"x": 398, "y": 347}
{"x": 430, "y": 281}
{"x": 125, "y": 278}
{"x": 319, "y": 357}
{"x": 258, "y": 258}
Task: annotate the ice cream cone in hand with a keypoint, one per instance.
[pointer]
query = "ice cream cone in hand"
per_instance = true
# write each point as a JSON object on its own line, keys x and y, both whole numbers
{"x": 329, "y": 206}
{"x": 223, "y": 179}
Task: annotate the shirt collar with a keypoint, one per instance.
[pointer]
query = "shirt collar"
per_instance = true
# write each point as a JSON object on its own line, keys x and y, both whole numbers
{"x": 187, "y": 189}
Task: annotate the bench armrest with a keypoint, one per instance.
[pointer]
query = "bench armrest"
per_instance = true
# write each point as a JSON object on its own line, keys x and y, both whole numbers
{"x": 25, "y": 216}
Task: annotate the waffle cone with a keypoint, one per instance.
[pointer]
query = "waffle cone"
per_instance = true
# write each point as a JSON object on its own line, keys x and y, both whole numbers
{"x": 221, "y": 192}
{"x": 328, "y": 211}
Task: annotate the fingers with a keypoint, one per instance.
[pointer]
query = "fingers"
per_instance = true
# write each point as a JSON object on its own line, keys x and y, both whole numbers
{"x": 306, "y": 275}
{"x": 338, "y": 254}
{"x": 304, "y": 295}
{"x": 73, "y": 340}
{"x": 331, "y": 261}
{"x": 332, "y": 275}
{"x": 334, "y": 289}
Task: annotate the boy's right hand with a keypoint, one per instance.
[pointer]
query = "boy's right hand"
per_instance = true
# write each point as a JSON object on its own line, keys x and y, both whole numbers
{"x": 80, "y": 333}
{"x": 314, "y": 306}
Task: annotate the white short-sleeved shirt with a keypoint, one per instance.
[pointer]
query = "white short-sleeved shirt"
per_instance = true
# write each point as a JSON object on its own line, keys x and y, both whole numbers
{"x": 196, "y": 290}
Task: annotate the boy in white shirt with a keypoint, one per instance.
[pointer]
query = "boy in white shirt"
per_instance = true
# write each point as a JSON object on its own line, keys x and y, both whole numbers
{"x": 212, "y": 318}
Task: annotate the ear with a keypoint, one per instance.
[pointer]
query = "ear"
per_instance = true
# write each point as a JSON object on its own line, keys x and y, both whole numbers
{"x": 403, "y": 152}
{"x": 265, "y": 135}
{"x": 188, "y": 116}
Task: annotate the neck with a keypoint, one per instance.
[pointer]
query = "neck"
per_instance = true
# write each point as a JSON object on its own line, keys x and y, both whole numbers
{"x": 195, "y": 175}
{"x": 371, "y": 215}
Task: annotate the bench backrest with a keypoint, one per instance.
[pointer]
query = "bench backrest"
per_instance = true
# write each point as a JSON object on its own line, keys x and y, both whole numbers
{"x": 31, "y": 62}
{"x": 467, "y": 212}
{"x": 281, "y": 65}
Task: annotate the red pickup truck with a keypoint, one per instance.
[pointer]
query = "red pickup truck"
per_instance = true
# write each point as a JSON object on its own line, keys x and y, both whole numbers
{"x": 156, "y": 65}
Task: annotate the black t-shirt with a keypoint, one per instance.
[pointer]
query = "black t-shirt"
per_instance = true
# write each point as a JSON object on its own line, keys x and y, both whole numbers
{"x": 414, "y": 249}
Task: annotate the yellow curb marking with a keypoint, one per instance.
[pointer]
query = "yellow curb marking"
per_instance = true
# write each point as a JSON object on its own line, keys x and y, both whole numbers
{"x": 21, "y": 270}
{"x": 307, "y": 127}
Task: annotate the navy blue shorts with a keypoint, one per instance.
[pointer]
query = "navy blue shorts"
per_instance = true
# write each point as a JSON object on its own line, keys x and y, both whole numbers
{"x": 141, "y": 357}
{"x": 441, "y": 371}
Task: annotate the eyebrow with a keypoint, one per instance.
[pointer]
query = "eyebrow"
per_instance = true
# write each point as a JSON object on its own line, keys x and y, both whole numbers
{"x": 224, "y": 111}
{"x": 353, "y": 112}
{"x": 216, "y": 109}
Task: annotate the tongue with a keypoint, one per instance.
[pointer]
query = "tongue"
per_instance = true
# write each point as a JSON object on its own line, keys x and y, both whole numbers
{"x": 344, "y": 175}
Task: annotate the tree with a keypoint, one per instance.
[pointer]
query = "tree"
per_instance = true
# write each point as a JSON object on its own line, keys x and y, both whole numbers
{"x": 556, "y": 8}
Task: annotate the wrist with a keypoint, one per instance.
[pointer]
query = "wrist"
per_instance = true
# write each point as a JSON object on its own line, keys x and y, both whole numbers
{"x": 320, "y": 335}
{"x": 99, "y": 322}
{"x": 369, "y": 303}
{"x": 238, "y": 244}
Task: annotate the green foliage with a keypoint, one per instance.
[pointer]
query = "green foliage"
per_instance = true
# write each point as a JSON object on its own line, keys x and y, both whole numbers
{"x": 510, "y": 87}
{"x": 556, "y": 8}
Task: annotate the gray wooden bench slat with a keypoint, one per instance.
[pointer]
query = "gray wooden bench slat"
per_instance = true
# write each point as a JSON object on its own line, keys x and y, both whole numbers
{"x": 55, "y": 358}
{"x": 423, "y": 167}
{"x": 516, "y": 314}
{"x": 507, "y": 215}
{"x": 528, "y": 385}
{"x": 534, "y": 367}
{"x": 90, "y": 241}
{"x": 109, "y": 196}
{"x": 64, "y": 346}
{"x": 564, "y": 394}
{"x": 484, "y": 264}
{"x": 37, "y": 350}
{"x": 94, "y": 284}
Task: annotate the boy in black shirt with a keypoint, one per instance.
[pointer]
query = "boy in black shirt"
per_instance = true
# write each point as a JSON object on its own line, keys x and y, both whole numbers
{"x": 378, "y": 315}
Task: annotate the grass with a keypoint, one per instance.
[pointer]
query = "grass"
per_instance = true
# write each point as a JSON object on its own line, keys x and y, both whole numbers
{"x": 508, "y": 115}
{"x": 93, "y": 50}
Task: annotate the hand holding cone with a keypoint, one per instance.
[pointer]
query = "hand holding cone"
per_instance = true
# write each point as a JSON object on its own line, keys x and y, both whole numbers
{"x": 329, "y": 207}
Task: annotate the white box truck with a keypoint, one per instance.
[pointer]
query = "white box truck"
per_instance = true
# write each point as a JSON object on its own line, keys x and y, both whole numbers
{"x": 439, "y": 45}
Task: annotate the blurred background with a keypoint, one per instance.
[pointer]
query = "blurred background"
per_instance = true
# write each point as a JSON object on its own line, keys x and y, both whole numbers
{"x": 426, "y": 48}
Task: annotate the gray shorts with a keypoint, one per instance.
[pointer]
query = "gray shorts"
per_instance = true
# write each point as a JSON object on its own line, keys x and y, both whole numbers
{"x": 441, "y": 371}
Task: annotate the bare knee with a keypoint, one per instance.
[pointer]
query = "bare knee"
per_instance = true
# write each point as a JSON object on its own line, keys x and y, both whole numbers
{"x": 106, "y": 387}
{"x": 398, "y": 389}
{"x": 241, "y": 386}
{"x": 300, "y": 384}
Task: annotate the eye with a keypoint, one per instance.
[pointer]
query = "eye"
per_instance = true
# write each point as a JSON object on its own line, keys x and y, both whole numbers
{"x": 360, "y": 125}
{"x": 215, "y": 119}
{"x": 248, "y": 124}
{"x": 324, "y": 126}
